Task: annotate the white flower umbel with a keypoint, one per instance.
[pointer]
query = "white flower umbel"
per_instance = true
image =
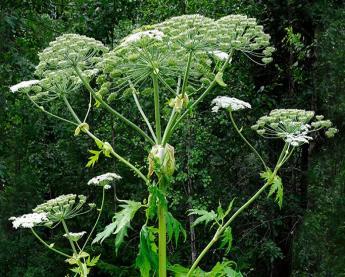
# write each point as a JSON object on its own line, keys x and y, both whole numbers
{"x": 28, "y": 220}
{"x": 24, "y": 84}
{"x": 220, "y": 55}
{"x": 226, "y": 102}
{"x": 75, "y": 236}
{"x": 297, "y": 139}
{"x": 154, "y": 34}
{"x": 104, "y": 179}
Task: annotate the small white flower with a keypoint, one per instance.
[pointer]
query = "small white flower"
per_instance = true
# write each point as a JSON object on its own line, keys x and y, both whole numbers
{"x": 104, "y": 179}
{"x": 24, "y": 84}
{"x": 154, "y": 34}
{"x": 106, "y": 187}
{"x": 75, "y": 236}
{"x": 220, "y": 55}
{"x": 226, "y": 102}
{"x": 28, "y": 220}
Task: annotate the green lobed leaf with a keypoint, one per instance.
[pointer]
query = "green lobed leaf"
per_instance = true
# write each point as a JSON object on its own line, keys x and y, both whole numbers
{"x": 276, "y": 186}
{"x": 147, "y": 259}
{"x": 226, "y": 240}
{"x": 121, "y": 223}
{"x": 204, "y": 216}
{"x": 174, "y": 228}
{"x": 94, "y": 158}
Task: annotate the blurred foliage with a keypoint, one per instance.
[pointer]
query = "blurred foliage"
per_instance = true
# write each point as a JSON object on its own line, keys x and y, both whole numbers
{"x": 40, "y": 158}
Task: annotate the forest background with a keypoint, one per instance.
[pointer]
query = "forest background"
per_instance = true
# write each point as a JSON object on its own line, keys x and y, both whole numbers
{"x": 40, "y": 158}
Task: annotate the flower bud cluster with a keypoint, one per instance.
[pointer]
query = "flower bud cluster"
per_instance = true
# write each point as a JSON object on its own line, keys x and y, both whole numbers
{"x": 241, "y": 33}
{"x": 163, "y": 49}
{"x": 70, "y": 50}
{"x": 294, "y": 126}
{"x": 61, "y": 208}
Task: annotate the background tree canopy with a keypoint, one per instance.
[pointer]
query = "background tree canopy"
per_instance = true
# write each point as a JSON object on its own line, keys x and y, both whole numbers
{"x": 40, "y": 158}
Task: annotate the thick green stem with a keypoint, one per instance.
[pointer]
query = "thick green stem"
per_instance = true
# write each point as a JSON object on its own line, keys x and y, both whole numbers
{"x": 69, "y": 107}
{"x": 168, "y": 127}
{"x": 110, "y": 109}
{"x": 246, "y": 141}
{"x": 47, "y": 245}
{"x": 221, "y": 229}
{"x": 162, "y": 234}
{"x": 157, "y": 108}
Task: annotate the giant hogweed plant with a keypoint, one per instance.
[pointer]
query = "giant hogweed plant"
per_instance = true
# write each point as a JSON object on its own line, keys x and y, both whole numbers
{"x": 173, "y": 65}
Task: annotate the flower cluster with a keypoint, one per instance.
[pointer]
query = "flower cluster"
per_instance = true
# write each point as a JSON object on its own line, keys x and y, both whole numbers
{"x": 61, "y": 208}
{"x": 29, "y": 220}
{"x": 24, "y": 85}
{"x": 150, "y": 34}
{"x": 225, "y": 102}
{"x": 104, "y": 180}
{"x": 294, "y": 126}
{"x": 75, "y": 236}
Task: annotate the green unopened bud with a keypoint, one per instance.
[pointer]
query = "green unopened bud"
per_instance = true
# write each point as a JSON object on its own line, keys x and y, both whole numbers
{"x": 107, "y": 149}
{"x": 162, "y": 159}
{"x": 267, "y": 60}
{"x": 261, "y": 132}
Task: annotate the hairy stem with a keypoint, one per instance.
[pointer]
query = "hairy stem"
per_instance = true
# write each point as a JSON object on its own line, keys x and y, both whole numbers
{"x": 110, "y": 109}
{"x": 68, "y": 236}
{"x": 168, "y": 127}
{"x": 246, "y": 141}
{"x": 120, "y": 158}
{"x": 47, "y": 245}
{"x": 143, "y": 114}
